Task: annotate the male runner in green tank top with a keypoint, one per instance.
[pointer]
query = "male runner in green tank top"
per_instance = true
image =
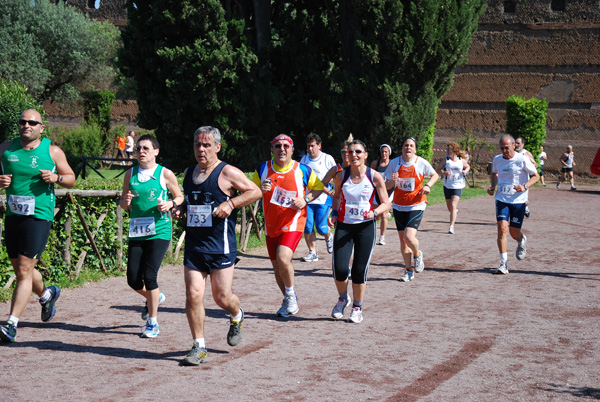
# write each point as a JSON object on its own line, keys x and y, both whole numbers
{"x": 31, "y": 166}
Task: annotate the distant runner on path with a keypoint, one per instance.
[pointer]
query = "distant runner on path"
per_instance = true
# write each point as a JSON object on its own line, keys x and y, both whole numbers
{"x": 513, "y": 173}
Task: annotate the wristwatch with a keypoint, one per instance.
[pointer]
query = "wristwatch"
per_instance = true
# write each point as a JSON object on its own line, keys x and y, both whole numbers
{"x": 526, "y": 186}
{"x": 60, "y": 179}
{"x": 306, "y": 199}
{"x": 374, "y": 213}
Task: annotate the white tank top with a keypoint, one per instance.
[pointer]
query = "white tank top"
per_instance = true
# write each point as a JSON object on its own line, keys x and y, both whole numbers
{"x": 357, "y": 199}
{"x": 456, "y": 178}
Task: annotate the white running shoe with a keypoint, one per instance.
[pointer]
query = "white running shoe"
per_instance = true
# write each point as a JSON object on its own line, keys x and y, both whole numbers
{"x": 522, "y": 249}
{"x": 311, "y": 256}
{"x": 292, "y": 304}
{"x": 419, "y": 264}
{"x": 502, "y": 269}
{"x": 451, "y": 230}
{"x": 329, "y": 244}
{"x": 408, "y": 276}
{"x": 150, "y": 330}
{"x": 289, "y": 306}
{"x": 338, "y": 309}
{"x": 381, "y": 240}
{"x": 356, "y": 315}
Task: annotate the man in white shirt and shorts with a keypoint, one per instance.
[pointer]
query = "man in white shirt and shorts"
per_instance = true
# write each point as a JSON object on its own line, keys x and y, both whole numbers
{"x": 513, "y": 173}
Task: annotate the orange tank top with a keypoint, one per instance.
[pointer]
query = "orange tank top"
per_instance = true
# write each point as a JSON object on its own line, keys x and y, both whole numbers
{"x": 408, "y": 186}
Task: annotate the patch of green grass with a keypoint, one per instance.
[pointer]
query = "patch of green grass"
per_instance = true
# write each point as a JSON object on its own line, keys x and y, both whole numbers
{"x": 437, "y": 192}
{"x": 67, "y": 282}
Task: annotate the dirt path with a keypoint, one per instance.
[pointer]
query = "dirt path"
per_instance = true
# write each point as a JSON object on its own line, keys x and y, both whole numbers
{"x": 455, "y": 333}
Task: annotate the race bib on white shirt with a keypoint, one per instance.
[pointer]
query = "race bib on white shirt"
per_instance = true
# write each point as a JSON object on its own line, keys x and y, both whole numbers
{"x": 406, "y": 184}
{"x": 455, "y": 174}
{"x": 357, "y": 210}
{"x": 144, "y": 226}
{"x": 199, "y": 216}
{"x": 22, "y": 204}
{"x": 282, "y": 197}
{"x": 506, "y": 188}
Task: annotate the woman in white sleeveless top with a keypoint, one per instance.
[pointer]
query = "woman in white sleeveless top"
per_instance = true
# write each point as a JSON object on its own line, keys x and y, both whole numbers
{"x": 453, "y": 171}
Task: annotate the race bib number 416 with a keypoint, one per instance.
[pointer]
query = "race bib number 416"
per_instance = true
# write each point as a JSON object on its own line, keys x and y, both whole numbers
{"x": 140, "y": 227}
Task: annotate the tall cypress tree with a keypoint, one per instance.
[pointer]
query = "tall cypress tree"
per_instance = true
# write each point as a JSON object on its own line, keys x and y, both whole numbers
{"x": 376, "y": 68}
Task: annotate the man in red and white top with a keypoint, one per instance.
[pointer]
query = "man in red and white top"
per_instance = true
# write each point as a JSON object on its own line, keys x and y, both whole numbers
{"x": 287, "y": 186}
{"x": 408, "y": 172}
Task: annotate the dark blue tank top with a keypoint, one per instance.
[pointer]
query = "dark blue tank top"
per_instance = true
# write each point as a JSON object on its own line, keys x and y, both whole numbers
{"x": 220, "y": 237}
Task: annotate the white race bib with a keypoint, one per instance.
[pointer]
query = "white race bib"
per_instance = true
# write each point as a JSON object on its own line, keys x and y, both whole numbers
{"x": 199, "y": 216}
{"x": 455, "y": 174}
{"x": 139, "y": 227}
{"x": 282, "y": 197}
{"x": 357, "y": 210}
{"x": 22, "y": 204}
{"x": 506, "y": 188}
{"x": 406, "y": 184}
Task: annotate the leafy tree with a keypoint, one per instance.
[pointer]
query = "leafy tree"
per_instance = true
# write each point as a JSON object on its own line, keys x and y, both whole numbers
{"x": 377, "y": 68}
{"x": 53, "y": 49}
{"x": 13, "y": 101}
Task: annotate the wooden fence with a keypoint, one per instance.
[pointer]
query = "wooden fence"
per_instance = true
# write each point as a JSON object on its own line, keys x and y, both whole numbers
{"x": 249, "y": 221}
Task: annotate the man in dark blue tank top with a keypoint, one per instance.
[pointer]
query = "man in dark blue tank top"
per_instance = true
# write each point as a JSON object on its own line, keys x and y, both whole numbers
{"x": 213, "y": 190}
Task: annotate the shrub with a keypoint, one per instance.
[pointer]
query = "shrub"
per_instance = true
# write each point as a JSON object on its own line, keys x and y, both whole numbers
{"x": 97, "y": 106}
{"x": 527, "y": 118}
{"x": 85, "y": 140}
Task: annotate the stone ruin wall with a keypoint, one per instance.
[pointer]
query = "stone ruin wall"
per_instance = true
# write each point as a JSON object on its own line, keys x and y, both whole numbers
{"x": 534, "y": 51}
{"x": 535, "y": 48}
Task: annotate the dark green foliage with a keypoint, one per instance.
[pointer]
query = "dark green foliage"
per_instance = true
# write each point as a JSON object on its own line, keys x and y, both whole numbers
{"x": 54, "y": 50}
{"x": 376, "y": 68}
{"x": 188, "y": 60}
{"x": 97, "y": 106}
{"x": 527, "y": 118}
{"x": 14, "y": 100}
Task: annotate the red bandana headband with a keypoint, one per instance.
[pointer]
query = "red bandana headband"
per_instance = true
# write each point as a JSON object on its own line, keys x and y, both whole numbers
{"x": 284, "y": 138}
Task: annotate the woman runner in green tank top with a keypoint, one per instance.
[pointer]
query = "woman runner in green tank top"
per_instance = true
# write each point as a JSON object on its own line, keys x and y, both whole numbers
{"x": 145, "y": 194}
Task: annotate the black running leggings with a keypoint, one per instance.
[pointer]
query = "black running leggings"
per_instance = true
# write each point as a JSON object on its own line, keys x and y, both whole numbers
{"x": 359, "y": 237}
{"x": 144, "y": 259}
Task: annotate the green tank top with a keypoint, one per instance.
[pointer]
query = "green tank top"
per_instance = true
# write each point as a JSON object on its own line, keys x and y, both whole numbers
{"x": 28, "y": 194}
{"x": 146, "y": 221}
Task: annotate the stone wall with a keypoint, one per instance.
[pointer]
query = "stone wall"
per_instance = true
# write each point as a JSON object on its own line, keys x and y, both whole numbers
{"x": 535, "y": 48}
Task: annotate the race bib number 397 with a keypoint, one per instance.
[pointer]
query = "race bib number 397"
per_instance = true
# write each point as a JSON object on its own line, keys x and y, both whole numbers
{"x": 21, "y": 205}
